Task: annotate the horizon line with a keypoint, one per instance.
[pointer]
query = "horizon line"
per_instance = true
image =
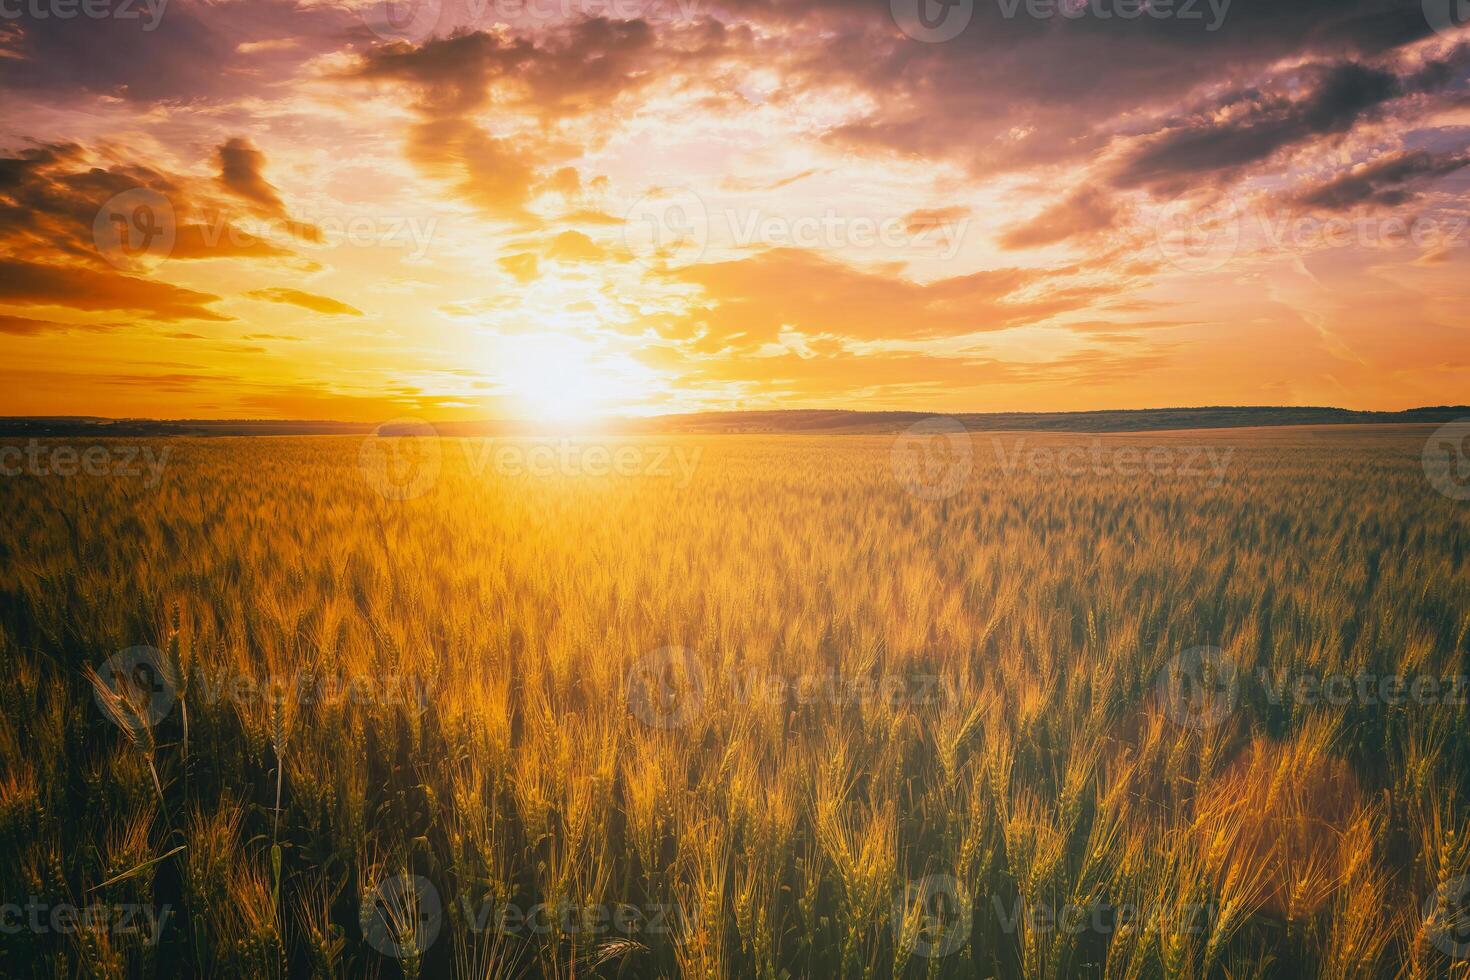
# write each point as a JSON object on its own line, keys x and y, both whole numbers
{"x": 623, "y": 418}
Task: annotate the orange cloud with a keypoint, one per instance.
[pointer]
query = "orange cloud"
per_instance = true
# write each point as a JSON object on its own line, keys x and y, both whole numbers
{"x": 31, "y": 284}
{"x": 749, "y": 301}
{"x": 309, "y": 301}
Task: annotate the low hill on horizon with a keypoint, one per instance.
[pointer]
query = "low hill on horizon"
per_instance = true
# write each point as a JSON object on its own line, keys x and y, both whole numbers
{"x": 808, "y": 421}
{"x": 1117, "y": 420}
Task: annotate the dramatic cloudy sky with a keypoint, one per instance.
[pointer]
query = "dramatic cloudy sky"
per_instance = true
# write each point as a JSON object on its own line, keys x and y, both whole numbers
{"x": 469, "y": 208}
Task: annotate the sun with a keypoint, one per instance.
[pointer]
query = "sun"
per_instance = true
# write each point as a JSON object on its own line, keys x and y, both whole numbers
{"x": 556, "y": 377}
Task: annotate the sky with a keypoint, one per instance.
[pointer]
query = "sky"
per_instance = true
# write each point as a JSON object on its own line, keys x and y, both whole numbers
{"x": 457, "y": 209}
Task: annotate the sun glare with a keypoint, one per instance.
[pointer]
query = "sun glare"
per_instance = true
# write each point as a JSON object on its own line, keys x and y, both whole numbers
{"x": 557, "y": 378}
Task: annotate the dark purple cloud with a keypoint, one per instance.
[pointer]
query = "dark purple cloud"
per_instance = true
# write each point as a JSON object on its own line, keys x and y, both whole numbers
{"x": 170, "y": 51}
{"x": 1388, "y": 181}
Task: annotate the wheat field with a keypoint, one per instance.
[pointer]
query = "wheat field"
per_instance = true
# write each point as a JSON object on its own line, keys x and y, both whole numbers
{"x": 747, "y": 706}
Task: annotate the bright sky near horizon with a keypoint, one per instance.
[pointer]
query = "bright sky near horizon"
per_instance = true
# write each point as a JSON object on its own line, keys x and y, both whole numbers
{"x": 563, "y": 208}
